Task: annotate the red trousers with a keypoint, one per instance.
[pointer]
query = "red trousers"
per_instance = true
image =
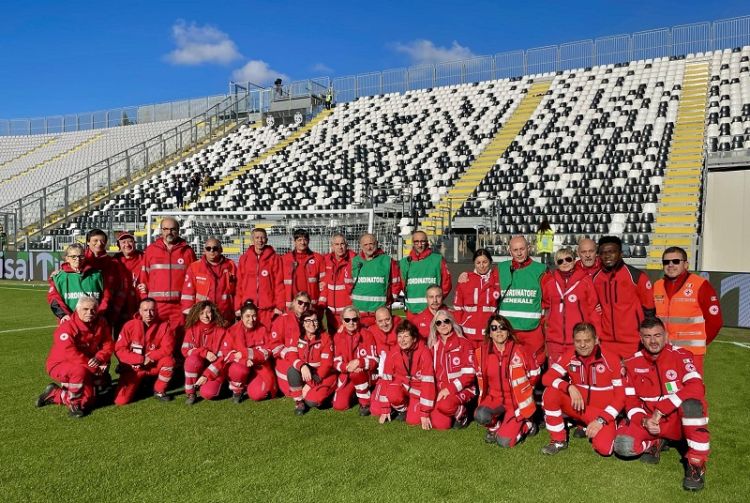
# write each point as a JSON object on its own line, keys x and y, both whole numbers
{"x": 194, "y": 366}
{"x": 533, "y": 341}
{"x": 623, "y": 349}
{"x": 76, "y": 384}
{"x": 380, "y": 404}
{"x": 451, "y": 407}
{"x": 555, "y": 351}
{"x": 399, "y": 398}
{"x": 130, "y": 379}
{"x": 557, "y": 403}
{"x": 258, "y": 380}
{"x": 497, "y": 415}
{"x": 265, "y": 318}
{"x": 349, "y": 385}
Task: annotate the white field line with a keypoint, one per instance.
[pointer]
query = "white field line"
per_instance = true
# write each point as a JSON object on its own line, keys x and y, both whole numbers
{"x": 740, "y": 344}
{"x": 33, "y": 328}
{"x": 24, "y": 289}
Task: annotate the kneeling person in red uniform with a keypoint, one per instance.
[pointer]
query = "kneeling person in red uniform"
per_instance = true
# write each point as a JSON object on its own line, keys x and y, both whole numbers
{"x": 202, "y": 349}
{"x": 144, "y": 349}
{"x": 355, "y": 360}
{"x": 585, "y": 384}
{"x": 81, "y": 349}
{"x": 665, "y": 399}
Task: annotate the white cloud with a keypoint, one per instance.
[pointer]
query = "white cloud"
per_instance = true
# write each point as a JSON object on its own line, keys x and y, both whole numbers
{"x": 426, "y": 52}
{"x": 321, "y": 68}
{"x": 197, "y": 45}
{"x": 257, "y": 72}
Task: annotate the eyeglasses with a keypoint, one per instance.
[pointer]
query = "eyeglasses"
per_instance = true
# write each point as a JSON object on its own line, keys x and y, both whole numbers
{"x": 495, "y": 328}
{"x": 311, "y": 321}
{"x": 441, "y": 322}
{"x": 79, "y": 257}
{"x": 303, "y": 303}
{"x": 213, "y": 248}
{"x": 419, "y": 241}
{"x": 566, "y": 259}
{"x": 351, "y": 320}
{"x": 673, "y": 261}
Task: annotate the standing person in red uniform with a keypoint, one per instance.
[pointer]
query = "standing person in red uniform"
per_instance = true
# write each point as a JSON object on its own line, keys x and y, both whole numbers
{"x": 165, "y": 262}
{"x": 568, "y": 298}
{"x": 585, "y": 384}
{"x": 476, "y": 299}
{"x": 423, "y": 320}
{"x": 214, "y": 278}
{"x": 336, "y": 293}
{"x": 420, "y": 269}
{"x": 114, "y": 275}
{"x": 409, "y": 379}
{"x": 626, "y": 298}
{"x": 589, "y": 261}
{"x": 288, "y": 328}
{"x": 260, "y": 279}
{"x": 203, "y": 351}
{"x": 355, "y": 360}
{"x": 377, "y": 279}
{"x": 144, "y": 349}
{"x": 310, "y": 366}
{"x": 131, "y": 262}
{"x": 665, "y": 399}
{"x": 384, "y": 332}
{"x": 510, "y": 374}
{"x": 81, "y": 349}
{"x": 303, "y": 270}
{"x": 688, "y": 306}
{"x": 250, "y": 351}
{"x": 455, "y": 374}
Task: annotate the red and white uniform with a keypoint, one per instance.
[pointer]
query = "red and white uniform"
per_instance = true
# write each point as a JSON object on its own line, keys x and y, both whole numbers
{"x": 260, "y": 280}
{"x": 453, "y": 361}
{"x": 254, "y": 370}
{"x": 114, "y": 276}
{"x": 215, "y": 282}
{"x": 360, "y": 346}
{"x": 591, "y": 271}
{"x": 302, "y": 272}
{"x": 408, "y": 380}
{"x": 200, "y": 339}
{"x": 568, "y": 299}
{"x": 385, "y": 343}
{"x": 474, "y": 303}
{"x": 599, "y": 379}
{"x": 163, "y": 273}
{"x": 626, "y": 298}
{"x": 131, "y": 270}
{"x": 285, "y": 328}
{"x": 336, "y": 294}
{"x": 317, "y": 353}
{"x": 74, "y": 343}
{"x": 424, "y": 319}
{"x": 136, "y": 342}
{"x": 507, "y": 400}
{"x": 668, "y": 382}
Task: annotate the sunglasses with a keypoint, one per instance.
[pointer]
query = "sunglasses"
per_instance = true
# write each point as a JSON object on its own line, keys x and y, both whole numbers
{"x": 441, "y": 322}
{"x": 566, "y": 259}
{"x": 351, "y": 320}
{"x": 419, "y": 241}
{"x": 213, "y": 248}
{"x": 303, "y": 303}
{"x": 79, "y": 257}
{"x": 673, "y": 261}
{"x": 495, "y": 328}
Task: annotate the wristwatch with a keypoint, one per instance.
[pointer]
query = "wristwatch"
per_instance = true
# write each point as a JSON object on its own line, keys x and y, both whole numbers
{"x": 601, "y": 421}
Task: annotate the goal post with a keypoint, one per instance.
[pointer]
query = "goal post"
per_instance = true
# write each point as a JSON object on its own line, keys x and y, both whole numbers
{"x": 234, "y": 228}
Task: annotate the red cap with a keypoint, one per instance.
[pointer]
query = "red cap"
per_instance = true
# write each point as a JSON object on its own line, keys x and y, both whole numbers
{"x": 124, "y": 235}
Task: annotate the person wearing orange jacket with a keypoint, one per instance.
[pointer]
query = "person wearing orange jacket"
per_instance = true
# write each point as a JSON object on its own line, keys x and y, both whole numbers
{"x": 409, "y": 379}
{"x": 288, "y": 328}
{"x": 509, "y": 375}
{"x": 81, "y": 349}
{"x": 568, "y": 298}
{"x": 455, "y": 373}
{"x": 356, "y": 361}
{"x": 688, "y": 306}
{"x": 303, "y": 270}
{"x": 214, "y": 278}
{"x": 336, "y": 293}
{"x": 249, "y": 352}
{"x": 584, "y": 384}
{"x": 144, "y": 349}
{"x": 260, "y": 279}
{"x": 203, "y": 351}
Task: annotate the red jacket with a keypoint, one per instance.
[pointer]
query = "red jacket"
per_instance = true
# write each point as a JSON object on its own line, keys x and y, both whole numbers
{"x": 360, "y": 346}
{"x": 131, "y": 269}
{"x": 214, "y": 282}
{"x": 316, "y": 352}
{"x": 424, "y": 319}
{"x": 454, "y": 364}
{"x": 567, "y": 303}
{"x": 200, "y": 339}
{"x": 598, "y": 377}
{"x": 336, "y": 294}
{"x": 385, "y": 342}
{"x": 475, "y": 301}
{"x": 255, "y": 344}
{"x": 286, "y": 328}
{"x": 77, "y": 342}
{"x": 497, "y": 382}
{"x": 163, "y": 270}
{"x": 591, "y": 271}
{"x": 660, "y": 382}
{"x": 114, "y": 276}
{"x": 137, "y": 341}
{"x": 57, "y": 302}
{"x": 260, "y": 280}
{"x": 413, "y": 370}
{"x": 445, "y": 275}
{"x": 626, "y": 298}
{"x": 302, "y": 272}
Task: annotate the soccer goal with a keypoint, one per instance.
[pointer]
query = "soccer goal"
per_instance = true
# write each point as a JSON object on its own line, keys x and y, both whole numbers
{"x": 234, "y": 228}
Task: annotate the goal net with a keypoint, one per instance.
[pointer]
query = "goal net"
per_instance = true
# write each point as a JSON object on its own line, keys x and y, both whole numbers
{"x": 234, "y": 228}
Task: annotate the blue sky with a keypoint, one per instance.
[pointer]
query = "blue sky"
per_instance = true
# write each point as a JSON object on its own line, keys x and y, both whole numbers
{"x": 76, "y": 56}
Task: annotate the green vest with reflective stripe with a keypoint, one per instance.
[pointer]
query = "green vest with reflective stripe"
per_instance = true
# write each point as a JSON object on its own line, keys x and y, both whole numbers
{"x": 418, "y": 276}
{"x": 72, "y": 286}
{"x": 371, "y": 282}
{"x": 522, "y": 304}
{"x": 545, "y": 241}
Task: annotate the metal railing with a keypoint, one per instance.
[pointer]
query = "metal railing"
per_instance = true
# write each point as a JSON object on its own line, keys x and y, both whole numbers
{"x": 56, "y": 202}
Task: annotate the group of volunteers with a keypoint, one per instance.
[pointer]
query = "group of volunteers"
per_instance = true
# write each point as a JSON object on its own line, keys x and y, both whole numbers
{"x": 590, "y": 345}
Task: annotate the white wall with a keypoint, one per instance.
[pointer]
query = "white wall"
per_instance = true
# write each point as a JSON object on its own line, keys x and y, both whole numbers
{"x": 726, "y": 226}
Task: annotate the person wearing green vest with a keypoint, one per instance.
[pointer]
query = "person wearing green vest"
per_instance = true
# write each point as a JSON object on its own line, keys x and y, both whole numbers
{"x": 419, "y": 270}
{"x": 376, "y": 279}
{"x": 76, "y": 279}
{"x": 545, "y": 242}
{"x": 521, "y": 297}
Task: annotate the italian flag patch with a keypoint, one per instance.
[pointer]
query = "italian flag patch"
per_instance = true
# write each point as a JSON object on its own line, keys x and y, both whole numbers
{"x": 671, "y": 387}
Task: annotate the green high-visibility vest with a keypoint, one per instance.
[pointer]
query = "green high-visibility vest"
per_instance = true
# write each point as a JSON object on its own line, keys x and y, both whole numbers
{"x": 371, "y": 282}
{"x": 418, "y": 275}
{"x": 72, "y": 286}
{"x": 522, "y": 304}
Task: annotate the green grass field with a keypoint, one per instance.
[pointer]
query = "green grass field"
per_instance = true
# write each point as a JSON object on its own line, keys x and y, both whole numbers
{"x": 220, "y": 451}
